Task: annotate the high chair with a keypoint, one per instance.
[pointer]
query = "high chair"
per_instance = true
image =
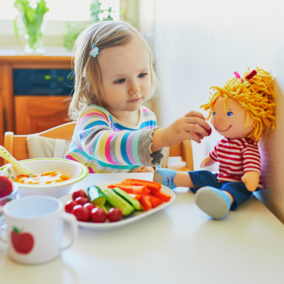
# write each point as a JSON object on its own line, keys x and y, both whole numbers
{"x": 17, "y": 145}
{"x": 184, "y": 151}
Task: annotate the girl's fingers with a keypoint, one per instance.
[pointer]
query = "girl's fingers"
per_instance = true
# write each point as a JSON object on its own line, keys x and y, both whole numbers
{"x": 139, "y": 169}
{"x": 196, "y": 129}
{"x": 144, "y": 170}
{"x": 198, "y": 121}
{"x": 200, "y": 135}
{"x": 193, "y": 136}
{"x": 195, "y": 113}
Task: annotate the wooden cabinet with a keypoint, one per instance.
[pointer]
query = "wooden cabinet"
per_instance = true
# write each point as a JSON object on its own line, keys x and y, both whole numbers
{"x": 26, "y": 114}
{"x": 35, "y": 114}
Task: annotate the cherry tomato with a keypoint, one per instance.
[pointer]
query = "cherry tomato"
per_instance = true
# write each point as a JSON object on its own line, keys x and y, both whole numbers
{"x": 98, "y": 215}
{"x": 82, "y": 200}
{"x": 114, "y": 215}
{"x": 69, "y": 205}
{"x": 78, "y": 193}
{"x": 81, "y": 213}
{"x": 89, "y": 206}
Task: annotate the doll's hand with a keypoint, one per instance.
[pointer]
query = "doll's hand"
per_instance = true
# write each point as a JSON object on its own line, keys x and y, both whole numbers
{"x": 192, "y": 126}
{"x": 144, "y": 170}
{"x": 207, "y": 162}
{"x": 251, "y": 179}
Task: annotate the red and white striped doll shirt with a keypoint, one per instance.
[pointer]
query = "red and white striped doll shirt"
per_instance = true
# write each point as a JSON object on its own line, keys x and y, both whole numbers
{"x": 236, "y": 157}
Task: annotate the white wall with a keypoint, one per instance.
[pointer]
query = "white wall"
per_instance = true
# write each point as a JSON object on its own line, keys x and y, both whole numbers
{"x": 201, "y": 43}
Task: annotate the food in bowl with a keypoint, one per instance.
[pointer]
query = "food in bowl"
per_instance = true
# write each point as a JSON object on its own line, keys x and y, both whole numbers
{"x": 76, "y": 171}
{"x": 49, "y": 177}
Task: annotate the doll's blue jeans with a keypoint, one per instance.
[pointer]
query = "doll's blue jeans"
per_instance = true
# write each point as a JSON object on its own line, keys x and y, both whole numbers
{"x": 205, "y": 178}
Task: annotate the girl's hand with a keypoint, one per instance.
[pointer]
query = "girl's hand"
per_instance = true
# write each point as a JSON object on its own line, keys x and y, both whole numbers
{"x": 144, "y": 170}
{"x": 191, "y": 126}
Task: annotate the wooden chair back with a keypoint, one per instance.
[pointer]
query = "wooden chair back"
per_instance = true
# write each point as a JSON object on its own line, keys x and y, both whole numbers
{"x": 184, "y": 151}
{"x": 17, "y": 145}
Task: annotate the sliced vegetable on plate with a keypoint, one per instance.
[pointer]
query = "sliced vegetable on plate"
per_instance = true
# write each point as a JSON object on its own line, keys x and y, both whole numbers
{"x": 124, "y": 201}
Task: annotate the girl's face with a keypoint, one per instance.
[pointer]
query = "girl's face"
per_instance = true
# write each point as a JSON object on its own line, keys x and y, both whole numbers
{"x": 126, "y": 79}
{"x": 231, "y": 122}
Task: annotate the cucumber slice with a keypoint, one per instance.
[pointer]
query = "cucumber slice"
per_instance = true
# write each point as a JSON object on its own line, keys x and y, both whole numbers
{"x": 106, "y": 206}
{"x": 135, "y": 203}
{"x": 96, "y": 195}
{"x": 116, "y": 201}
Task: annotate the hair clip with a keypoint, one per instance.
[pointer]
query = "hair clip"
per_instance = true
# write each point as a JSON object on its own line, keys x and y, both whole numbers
{"x": 95, "y": 51}
{"x": 237, "y": 75}
{"x": 251, "y": 74}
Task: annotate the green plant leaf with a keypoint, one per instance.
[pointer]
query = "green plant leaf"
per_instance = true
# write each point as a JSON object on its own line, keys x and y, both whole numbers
{"x": 32, "y": 19}
{"x": 16, "y": 30}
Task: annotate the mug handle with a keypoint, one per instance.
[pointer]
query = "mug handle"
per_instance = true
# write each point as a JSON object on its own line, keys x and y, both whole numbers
{"x": 71, "y": 219}
{"x": 2, "y": 228}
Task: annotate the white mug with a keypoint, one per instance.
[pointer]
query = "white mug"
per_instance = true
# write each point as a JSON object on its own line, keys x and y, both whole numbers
{"x": 34, "y": 226}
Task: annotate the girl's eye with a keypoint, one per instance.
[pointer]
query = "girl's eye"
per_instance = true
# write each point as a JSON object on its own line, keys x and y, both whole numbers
{"x": 119, "y": 81}
{"x": 214, "y": 113}
{"x": 229, "y": 113}
{"x": 142, "y": 75}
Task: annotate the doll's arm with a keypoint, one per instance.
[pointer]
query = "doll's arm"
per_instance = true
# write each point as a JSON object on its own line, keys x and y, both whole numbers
{"x": 251, "y": 179}
{"x": 207, "y": 162}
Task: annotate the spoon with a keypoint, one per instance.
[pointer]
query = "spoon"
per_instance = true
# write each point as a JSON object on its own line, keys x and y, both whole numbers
{"x": 16, "y": 164}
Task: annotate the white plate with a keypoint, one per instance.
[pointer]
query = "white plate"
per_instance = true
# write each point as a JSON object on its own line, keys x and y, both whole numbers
{"x": 136, "y": 216}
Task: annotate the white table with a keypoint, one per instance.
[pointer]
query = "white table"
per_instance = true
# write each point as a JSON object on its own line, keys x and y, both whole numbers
{"x": 180, "y": 244}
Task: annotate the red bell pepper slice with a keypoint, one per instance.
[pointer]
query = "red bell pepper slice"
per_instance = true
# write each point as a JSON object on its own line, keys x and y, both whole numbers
{"x": 146, "y": 204}
{"x": 155, "y": 201}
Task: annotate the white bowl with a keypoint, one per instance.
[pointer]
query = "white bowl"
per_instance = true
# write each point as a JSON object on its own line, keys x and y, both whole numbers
{"x": 73, "y": 169}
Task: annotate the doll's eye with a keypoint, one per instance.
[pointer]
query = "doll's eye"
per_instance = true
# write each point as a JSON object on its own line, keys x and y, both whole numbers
{"x": 229, "y": 113}
{"x": 214, "y": 113}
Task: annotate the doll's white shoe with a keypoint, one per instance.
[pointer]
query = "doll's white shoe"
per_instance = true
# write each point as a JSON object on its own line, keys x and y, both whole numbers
{"x": 213, "y": 202}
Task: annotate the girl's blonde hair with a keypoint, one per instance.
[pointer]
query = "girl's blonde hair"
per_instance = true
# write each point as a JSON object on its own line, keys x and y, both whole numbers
{"x": 254, "y": 92}
{"x": 88, "y": 86}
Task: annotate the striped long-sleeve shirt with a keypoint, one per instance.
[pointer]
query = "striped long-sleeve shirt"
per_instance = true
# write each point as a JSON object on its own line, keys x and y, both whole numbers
{"x": 236, "y": 157}
{"x": 106, "y": 145}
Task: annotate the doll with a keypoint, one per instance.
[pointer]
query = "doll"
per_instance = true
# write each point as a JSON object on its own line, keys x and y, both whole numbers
{"x": 242, "y": 111}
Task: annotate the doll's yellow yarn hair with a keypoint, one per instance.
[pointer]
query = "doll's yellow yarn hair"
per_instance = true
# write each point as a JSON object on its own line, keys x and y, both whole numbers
{"x": 255, "y": 95}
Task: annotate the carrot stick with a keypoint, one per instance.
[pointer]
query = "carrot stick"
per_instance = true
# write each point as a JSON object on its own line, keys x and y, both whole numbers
{"x": 146, "y": 204}
{"x": 153, "y": 186}
{"x": 141, "y": 190}
{"x": 163, "y": 196}
{"x": 135, "y": 196}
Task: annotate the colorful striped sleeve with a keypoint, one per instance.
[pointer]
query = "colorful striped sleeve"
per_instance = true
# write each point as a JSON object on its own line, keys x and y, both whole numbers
{"x": 124, "y": 147}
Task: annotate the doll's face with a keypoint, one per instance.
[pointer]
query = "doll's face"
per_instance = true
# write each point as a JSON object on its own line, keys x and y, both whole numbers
{"x": 231, "y": 122}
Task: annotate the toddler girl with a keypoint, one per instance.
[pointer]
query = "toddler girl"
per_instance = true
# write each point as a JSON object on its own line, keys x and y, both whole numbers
{"x": 114, "y": 76}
